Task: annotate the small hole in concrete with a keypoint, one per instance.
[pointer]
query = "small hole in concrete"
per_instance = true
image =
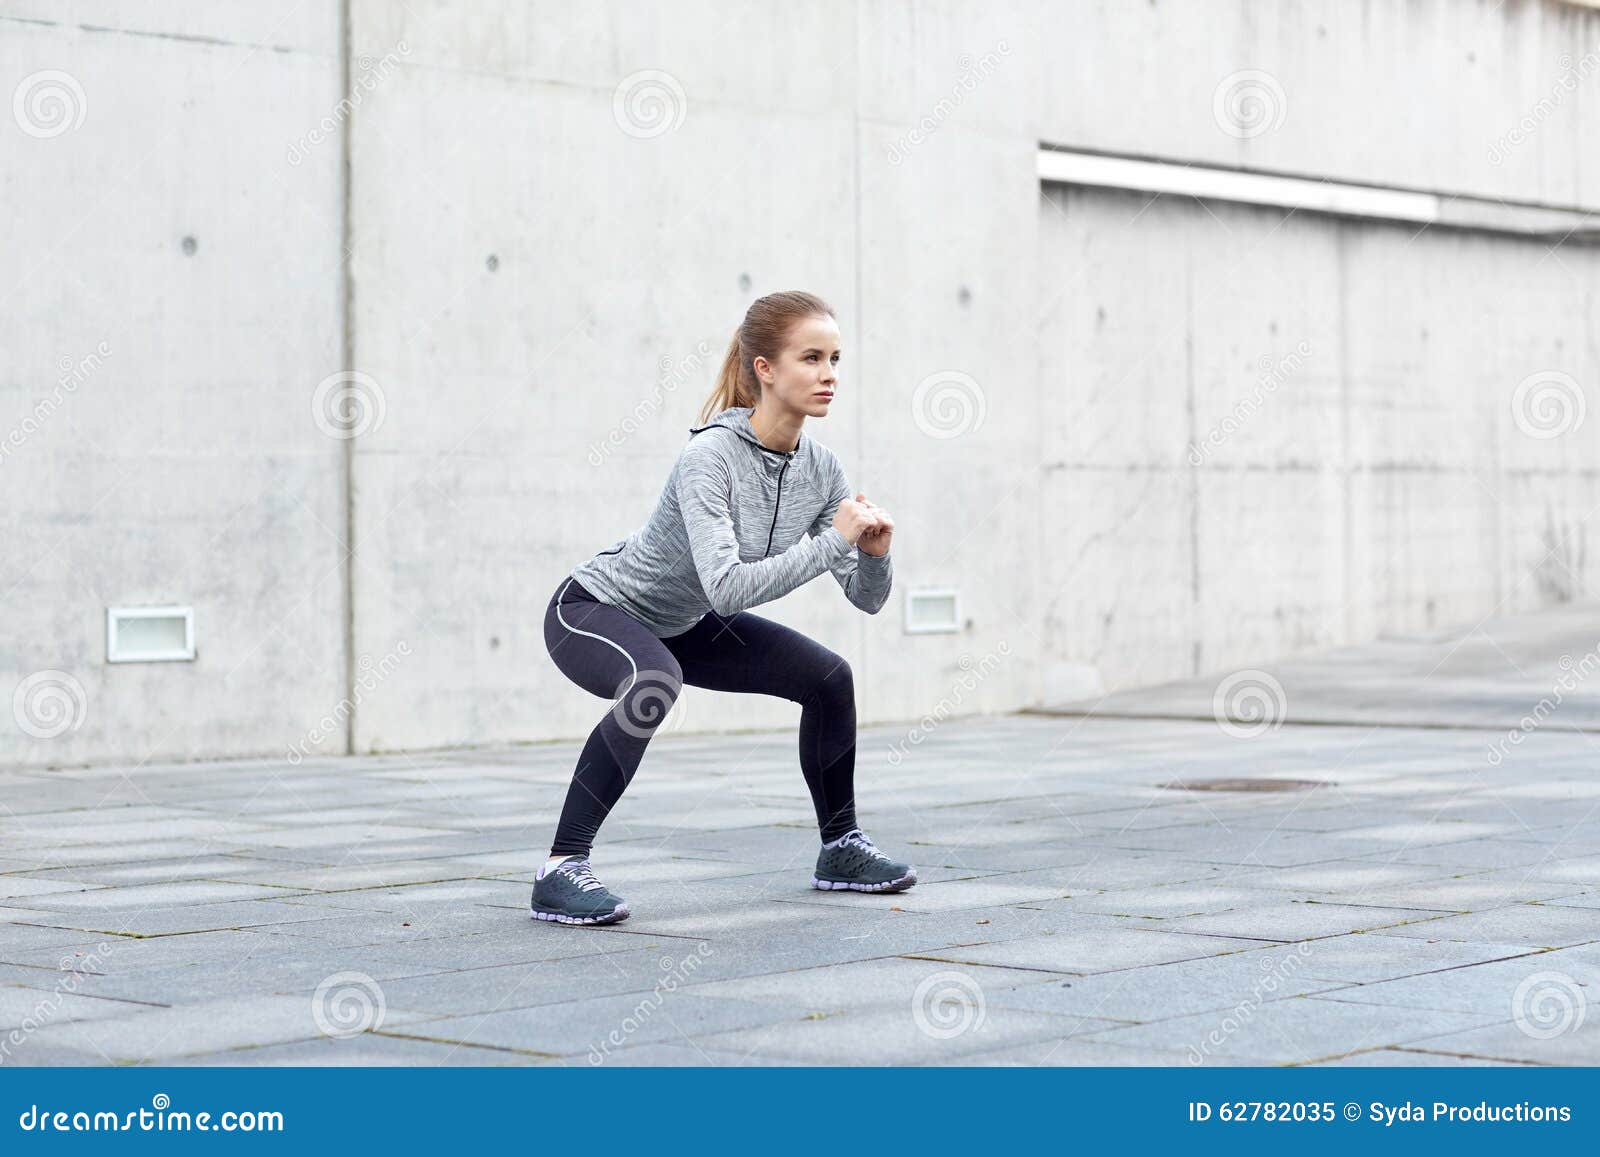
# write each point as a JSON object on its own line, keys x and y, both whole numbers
{"x": 744, "y": 283}
{"x": 964, "y": 295}
{"x": 189, "y": 245}
{"x": 493, "y": 263}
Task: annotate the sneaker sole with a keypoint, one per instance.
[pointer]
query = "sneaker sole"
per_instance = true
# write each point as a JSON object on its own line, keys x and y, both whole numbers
{"x": 899, "y": 885}
{"x": 618, "y": 913}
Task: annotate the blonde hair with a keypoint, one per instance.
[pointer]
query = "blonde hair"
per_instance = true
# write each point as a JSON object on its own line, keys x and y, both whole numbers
{"x": 765, "y": 327}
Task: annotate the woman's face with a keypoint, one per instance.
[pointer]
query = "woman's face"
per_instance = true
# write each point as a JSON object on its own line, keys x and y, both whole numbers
{"x": 804, "y": 377}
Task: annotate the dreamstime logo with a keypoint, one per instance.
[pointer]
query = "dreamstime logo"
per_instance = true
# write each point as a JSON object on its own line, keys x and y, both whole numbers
{"x": 948, "y": 404}
{"x": 48, "y": 704}
{"x": 49, "y": 1006}
{"x": 369, "y": 75}
{"x": 348, "y": 404}
{"x": 1275, "y": 972}
{"x": 369, "y": 675}
{"x": 673, "y": 375}
{"x": 1566, "y": 83}
{"x": 677, "y": 972}
{"x": 348, "y": 1004}
{"x": 649, "y": 103}
{"x": 1249, "y": 703}
{"x": 72, "y": 374}
{"x": 1248, "y": 103}
{"x": 1548, "y": 1004}
{"x": 972, "y": 74}
{"x": 1573, "y": 672}
{"x": 942, "y": 710}
{"x": 1272, "y": 376}
{"x": 48, "y": 104}
{"x": 1548, "y": 404}
{"x": 644, "y": 702}
{"x": 948, "y": 1004}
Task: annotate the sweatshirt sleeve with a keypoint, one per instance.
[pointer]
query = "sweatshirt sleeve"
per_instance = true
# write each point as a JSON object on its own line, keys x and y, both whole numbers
{"x": 864, "y": 578}
{"x": 705, "y": 498}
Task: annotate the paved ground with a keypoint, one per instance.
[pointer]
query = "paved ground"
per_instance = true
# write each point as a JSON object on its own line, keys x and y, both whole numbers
{"x": 1434, "y": 900}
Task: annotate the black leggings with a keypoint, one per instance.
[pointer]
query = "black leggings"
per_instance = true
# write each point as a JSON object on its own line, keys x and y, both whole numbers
{"x": 609, "y": 653}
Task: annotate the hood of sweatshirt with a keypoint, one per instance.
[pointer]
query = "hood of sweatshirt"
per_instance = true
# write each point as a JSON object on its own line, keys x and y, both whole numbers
{"x": 737, "y": 419}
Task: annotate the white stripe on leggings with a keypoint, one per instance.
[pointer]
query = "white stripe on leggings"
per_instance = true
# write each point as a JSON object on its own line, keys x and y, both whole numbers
{"x": 592, "y": 635}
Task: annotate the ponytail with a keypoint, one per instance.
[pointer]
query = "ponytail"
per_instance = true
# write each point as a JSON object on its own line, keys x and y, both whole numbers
{"x": 736, "y": 384}
{"x": 765, "y": 328}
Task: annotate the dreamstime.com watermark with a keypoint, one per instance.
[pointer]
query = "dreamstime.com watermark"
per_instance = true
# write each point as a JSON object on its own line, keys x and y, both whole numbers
{"x": 48, "y": 704}
{"x": 1567, "y": 83}
{"x": 948, "y": 404}
{"x": 159, "y": 1118}
{"x": 973, "y": 673}
{"x": 1573, "y": 673}
{"x": 677, "y": 973}
{"x": 1248, "y": 103}
{"x": 649, "y": 103}
{"x": 49, "y": 1006}
{"x": 1272, "y": 376}
{"x": 973, "y": 73}
{"x": 371, "y": 674}
{"x": 1249, "y": 703}
{"x": 1263, "y": 989}
{"x": 348, "y": 404}
{"x": 366, "y": 77}
{"x": 70, "y": 376}
{"x": 673, "y": 375}
{"x": 49, "y": 103}
{"x": 1548, "y": 1004}
{"x": 348, "y": 1004}
{"x": 1548, "y": 404}
{"x": 948, "y": 1004}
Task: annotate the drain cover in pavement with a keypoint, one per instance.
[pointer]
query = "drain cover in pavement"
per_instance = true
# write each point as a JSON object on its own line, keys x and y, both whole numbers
{"x": 1244, "y": 784}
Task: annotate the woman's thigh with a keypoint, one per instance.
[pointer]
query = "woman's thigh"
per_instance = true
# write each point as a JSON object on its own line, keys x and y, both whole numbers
{"x": 745, "y": 652}
{"x": 602, "y": 648}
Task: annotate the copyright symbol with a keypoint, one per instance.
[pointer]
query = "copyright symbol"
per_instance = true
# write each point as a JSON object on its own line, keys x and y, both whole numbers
{"x": 1352, "y": 1112}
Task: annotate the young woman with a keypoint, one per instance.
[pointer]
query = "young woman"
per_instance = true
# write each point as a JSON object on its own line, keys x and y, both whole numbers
{"x": 752, "y": 509}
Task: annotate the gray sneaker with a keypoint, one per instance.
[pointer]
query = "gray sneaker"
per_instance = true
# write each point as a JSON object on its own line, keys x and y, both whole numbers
{"x": 571, "y": 895}
{"x": 857, "y": 866}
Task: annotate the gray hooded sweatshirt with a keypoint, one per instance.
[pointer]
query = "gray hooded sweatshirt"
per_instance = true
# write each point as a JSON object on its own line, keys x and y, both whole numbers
{"x": 737, "y": 525}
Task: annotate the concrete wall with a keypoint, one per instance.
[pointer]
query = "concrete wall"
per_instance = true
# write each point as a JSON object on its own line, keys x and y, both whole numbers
{"x": 533, "y": 267}
{"x": 160, "y": 390}
{"x": 1366, "y": 476}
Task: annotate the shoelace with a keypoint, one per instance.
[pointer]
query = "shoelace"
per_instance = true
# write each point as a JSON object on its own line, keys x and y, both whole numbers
{"x": 859, "y": 839}
{"x": 578, "y": 871}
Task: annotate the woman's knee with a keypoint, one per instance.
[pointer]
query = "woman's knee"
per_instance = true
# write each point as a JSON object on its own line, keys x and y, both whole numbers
{"x": 833, "y": 679}
{"x": 645, "y": 698}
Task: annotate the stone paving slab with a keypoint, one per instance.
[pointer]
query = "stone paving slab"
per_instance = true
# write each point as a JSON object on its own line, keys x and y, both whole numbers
{"x": 602, "y": 1024}
{"x": 368, "y": 1050}
{"x": 1370, "y": 957}
{"x": 896, "y": 1036}
{"x": 1296, "y": 1030}
{"x": 186, "y": 1030}
{"x": 1094, "y": 949}
{"x": 1576, "y": 1043}
{"x": 1545, "y": 925}
{"x": 1075, "y": 906}
{"x": 1413, "y": 1058}
{"x": 1185, "y": 987}
{"x": 1077, "y": 1052}
{"x": 1504, "y": 987}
